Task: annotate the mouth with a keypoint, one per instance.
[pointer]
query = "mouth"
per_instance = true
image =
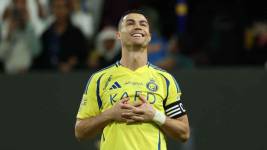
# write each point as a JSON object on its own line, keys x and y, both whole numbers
{"x": 137, "y": 35}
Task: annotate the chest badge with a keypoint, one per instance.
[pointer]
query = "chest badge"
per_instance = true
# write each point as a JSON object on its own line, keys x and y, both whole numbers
{"x": 152, "y": 86}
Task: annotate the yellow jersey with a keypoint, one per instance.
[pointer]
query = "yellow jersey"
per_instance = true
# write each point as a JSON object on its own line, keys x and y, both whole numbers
{"x": 107, "y": 86}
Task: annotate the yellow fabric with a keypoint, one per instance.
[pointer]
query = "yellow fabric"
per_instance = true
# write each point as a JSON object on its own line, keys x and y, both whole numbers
{"x": 117, "y": 81}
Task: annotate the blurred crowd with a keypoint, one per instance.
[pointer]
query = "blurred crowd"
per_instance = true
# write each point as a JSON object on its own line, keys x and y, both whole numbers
{"x": 67, "y": 35}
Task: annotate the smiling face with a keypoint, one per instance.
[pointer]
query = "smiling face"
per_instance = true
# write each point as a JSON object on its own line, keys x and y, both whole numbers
{"x": 134, "y": 30}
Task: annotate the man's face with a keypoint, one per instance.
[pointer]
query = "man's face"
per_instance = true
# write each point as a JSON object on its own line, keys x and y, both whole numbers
{"x": 109, "y": 44}
{"x": 60, "y": 9}
{"x": 20, "y": 4}
{"x": 134, "y": 30}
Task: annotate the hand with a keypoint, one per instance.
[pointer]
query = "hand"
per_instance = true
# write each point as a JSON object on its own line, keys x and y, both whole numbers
{"x": 141, "y": 112}
{"x": 64, "y": 67}
{"x": 120, "y": 108}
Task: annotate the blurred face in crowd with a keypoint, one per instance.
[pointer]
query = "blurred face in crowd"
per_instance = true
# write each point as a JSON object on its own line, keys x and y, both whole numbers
{"x": 75, "y": 5}
{"x": 19, "y": 13}
{"x": 20, "y": 4}
{"x": 60, "y": 10}
{"x": 134, "y": 30}
{"x": 109, "y": 44}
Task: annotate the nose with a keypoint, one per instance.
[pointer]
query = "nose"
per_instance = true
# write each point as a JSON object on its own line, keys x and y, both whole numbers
{"x": 137, "y": 26}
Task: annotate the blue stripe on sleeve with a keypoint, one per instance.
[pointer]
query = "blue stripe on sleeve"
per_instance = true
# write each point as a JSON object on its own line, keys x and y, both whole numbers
{"x": 168, "y": 85}
{"x": 99, "y": 101}
{"x": 176, "y": 84}
{"x": 87, "y": 84}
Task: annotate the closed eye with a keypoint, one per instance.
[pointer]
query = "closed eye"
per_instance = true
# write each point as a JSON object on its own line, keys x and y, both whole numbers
{"x": 130, "y": 22}
{"x": 143, "y": 23}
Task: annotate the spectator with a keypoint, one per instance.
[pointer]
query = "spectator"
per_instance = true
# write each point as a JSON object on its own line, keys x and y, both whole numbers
{"x": 257, "y": 51}
{"x": 19, "y": 44}
{"x": 81, "y": 19}
{"x": 39, "y": 15}
{"x": 178, "y": 60}
{"x": 107, "y": 49}
{"x": 158, "y": 53}
{"x": 94, "y": 8}
{"x": 64, "y": 45}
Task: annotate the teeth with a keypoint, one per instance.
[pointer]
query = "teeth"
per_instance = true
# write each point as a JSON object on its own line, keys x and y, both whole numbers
{"x": 137, "y": 35}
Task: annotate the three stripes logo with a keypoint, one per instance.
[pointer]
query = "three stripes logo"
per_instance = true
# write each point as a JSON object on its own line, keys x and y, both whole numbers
{"x": 115, "y": 86}
{"x": 175, "y": 110}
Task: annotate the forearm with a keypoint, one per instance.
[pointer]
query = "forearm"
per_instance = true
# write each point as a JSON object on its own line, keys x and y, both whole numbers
{"x": 90, "y": 127}
{"x": 176, "y": 129}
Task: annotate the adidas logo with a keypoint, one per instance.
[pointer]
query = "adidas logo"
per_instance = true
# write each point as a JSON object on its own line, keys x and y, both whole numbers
{"x": 115, "y": 86}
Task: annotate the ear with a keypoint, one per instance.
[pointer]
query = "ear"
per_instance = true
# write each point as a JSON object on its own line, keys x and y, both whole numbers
{"x": 118, "y": 35}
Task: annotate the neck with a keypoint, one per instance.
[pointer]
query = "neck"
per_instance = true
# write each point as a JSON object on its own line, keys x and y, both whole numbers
{"x": 60, "y": 26}
{"x": 133, "y": 58}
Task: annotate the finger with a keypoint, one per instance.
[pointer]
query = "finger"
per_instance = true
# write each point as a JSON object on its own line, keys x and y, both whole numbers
{"x": 137, "y": 104}
{"x": 138, "y": 111}
{"x": 123, "y": 120}
{"x": 137, "y": 118}
{"x": 127, "y": 115}
{"x": 124, "y": 100}
{"x": 127, "y": 106}
{"x": 142, "y": 98}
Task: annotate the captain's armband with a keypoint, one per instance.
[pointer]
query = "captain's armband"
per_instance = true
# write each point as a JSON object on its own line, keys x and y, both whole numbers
{"x": 175, "y": 110}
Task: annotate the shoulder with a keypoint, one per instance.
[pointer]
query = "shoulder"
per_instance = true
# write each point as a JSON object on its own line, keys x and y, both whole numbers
{"x": 95, "y": 78}
{"x": 47, "y": 32}
{"x": 169, "y": 78}
{"x": 74, "y": 29}
{"x": 160, "y": 71}
{"x": 106, "y": 70}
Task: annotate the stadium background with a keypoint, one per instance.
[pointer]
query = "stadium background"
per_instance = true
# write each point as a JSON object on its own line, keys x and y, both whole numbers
{"x": 223, "y": 78}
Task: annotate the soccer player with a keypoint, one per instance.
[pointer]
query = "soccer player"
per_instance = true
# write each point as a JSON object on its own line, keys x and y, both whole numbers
{"x": 133, "y": 103}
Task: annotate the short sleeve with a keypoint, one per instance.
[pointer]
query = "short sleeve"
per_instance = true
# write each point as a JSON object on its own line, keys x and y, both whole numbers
{"x": 89, "y": 105}
{"x": 173, "y": 105}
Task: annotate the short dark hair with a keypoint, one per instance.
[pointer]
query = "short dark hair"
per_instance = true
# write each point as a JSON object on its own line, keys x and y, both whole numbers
{"x": 133, "y": 11}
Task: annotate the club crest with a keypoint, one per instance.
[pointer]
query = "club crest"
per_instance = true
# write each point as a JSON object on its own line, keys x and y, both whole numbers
{"x": 152, "y": 86}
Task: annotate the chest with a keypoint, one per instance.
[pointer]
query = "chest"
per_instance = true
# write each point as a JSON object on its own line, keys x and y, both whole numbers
{"x": 115, "y": 88}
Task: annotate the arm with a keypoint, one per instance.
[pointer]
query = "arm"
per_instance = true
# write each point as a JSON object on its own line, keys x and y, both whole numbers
{"x": 175, "y": 128}
{"x": 86, "y": 128}
{"x": 89, "y": 127}
{"x": 176, "y": 124}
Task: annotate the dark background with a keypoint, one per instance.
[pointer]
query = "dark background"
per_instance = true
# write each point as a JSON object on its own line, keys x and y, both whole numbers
{"x": 226, "y": 109}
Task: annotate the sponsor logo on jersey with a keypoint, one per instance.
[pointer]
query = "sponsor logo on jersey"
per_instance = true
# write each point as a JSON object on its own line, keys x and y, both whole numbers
{"x": 134, "y": 83}
{"x": 150, "y": 97}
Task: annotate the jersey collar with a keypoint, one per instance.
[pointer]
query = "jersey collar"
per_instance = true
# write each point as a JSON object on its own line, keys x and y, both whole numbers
{"x": 140, "y": 69}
